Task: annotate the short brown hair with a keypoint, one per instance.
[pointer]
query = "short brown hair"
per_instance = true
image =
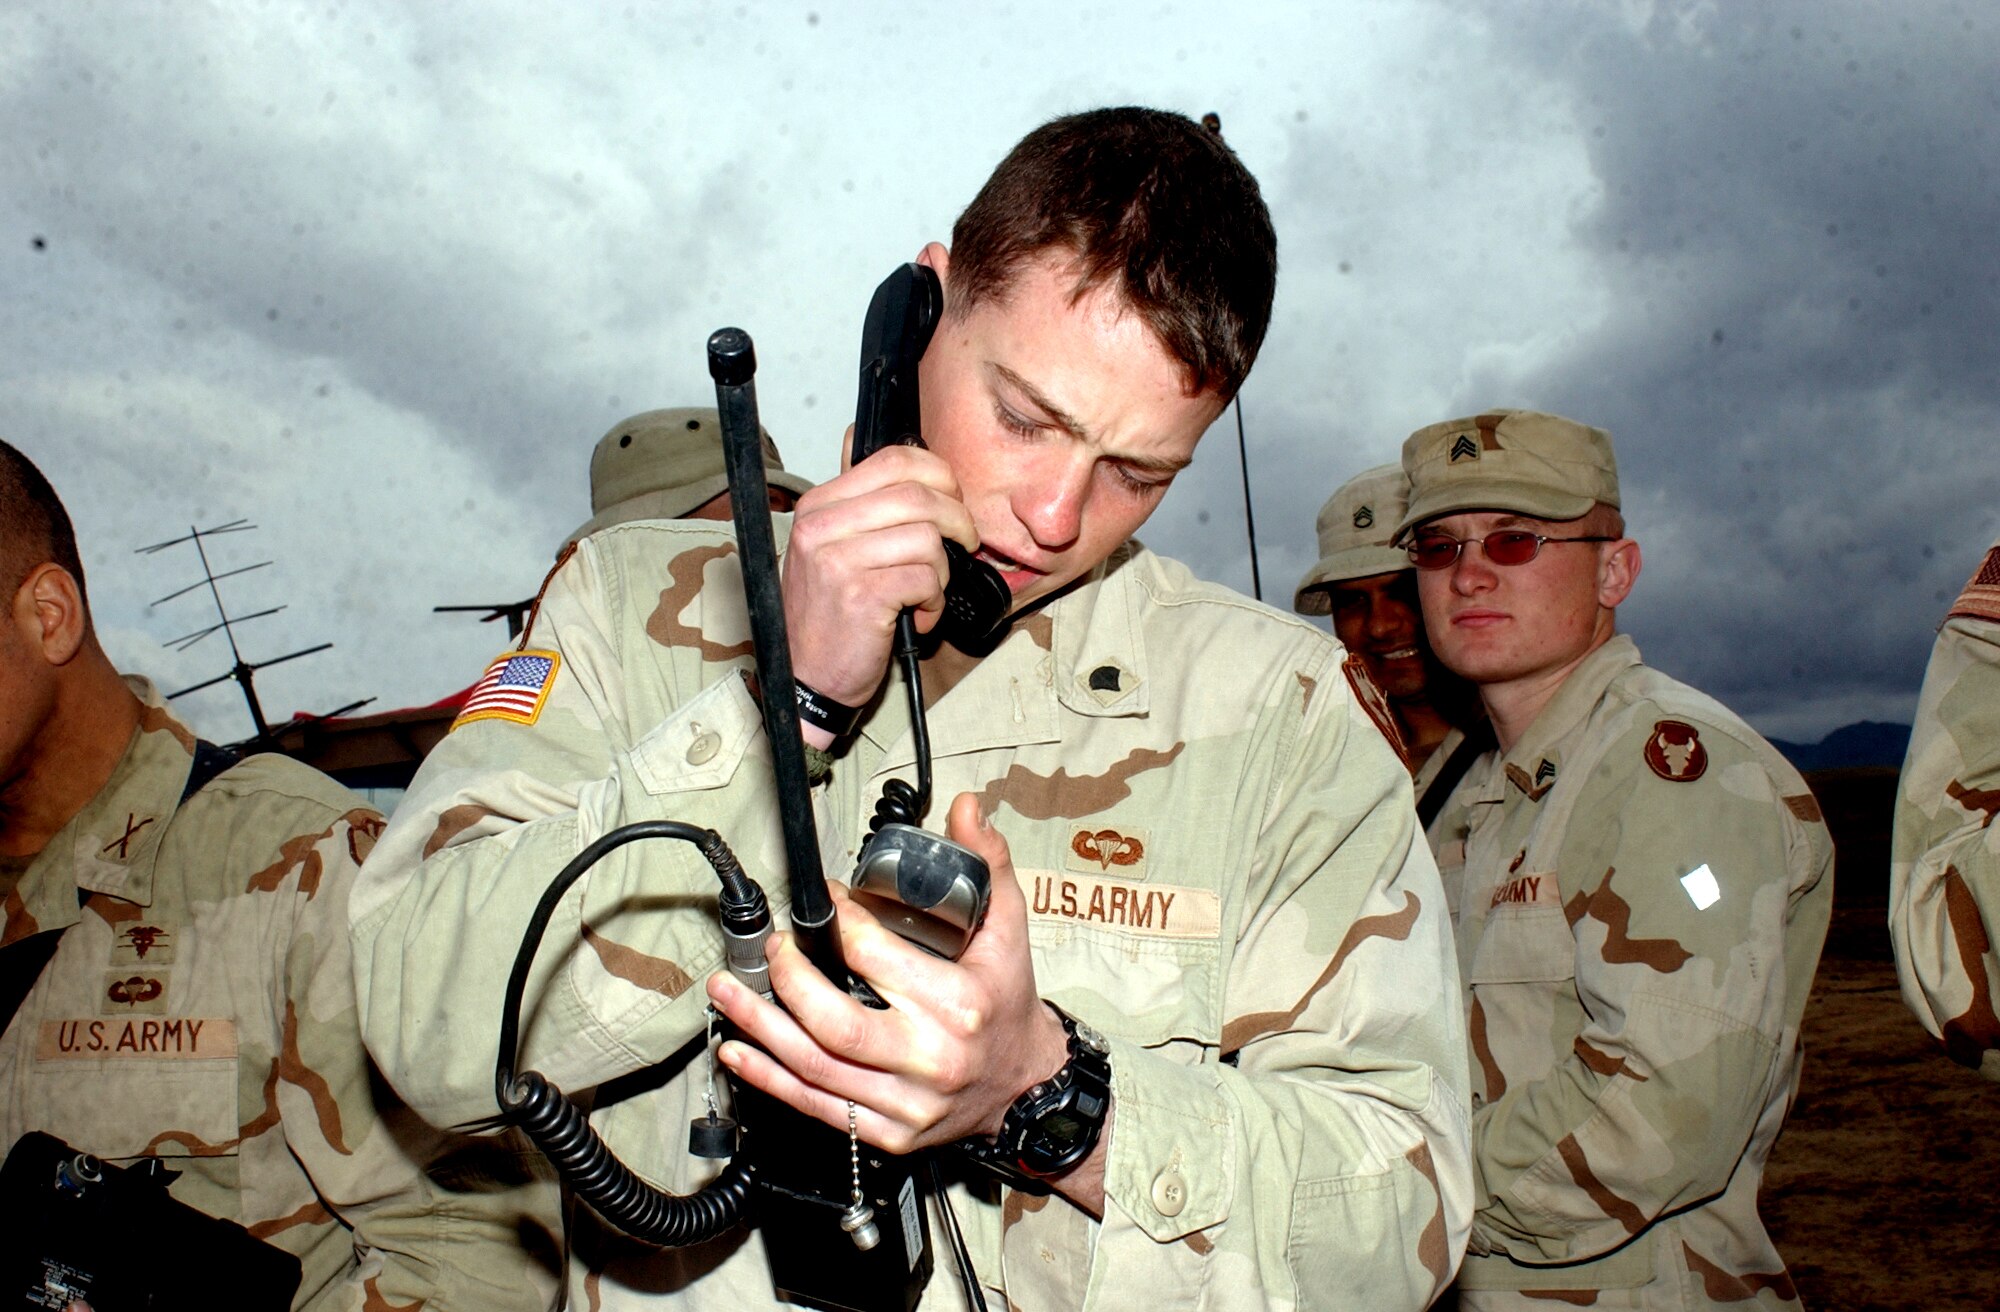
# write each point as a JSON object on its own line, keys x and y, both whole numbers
{"x": 1152, "y": 200}
{"x": 34, "y": 527}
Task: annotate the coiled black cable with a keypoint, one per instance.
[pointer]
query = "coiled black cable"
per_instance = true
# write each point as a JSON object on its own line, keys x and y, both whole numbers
{"x": 901, "y": 803}
{"x": 559, "y": 1127}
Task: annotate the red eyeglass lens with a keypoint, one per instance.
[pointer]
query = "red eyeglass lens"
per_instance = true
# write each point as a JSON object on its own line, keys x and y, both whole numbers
{"x": 1434, "y": 553}
{"x": 1512, "y": 547}
{"x": 1507, "y": 547}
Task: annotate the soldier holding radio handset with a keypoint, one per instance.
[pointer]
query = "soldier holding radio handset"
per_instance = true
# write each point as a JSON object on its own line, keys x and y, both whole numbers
{"x": 1208, "y": 896}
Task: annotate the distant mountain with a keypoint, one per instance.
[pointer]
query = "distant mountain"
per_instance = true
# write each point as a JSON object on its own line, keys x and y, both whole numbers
{"x": 1868, "y": 742}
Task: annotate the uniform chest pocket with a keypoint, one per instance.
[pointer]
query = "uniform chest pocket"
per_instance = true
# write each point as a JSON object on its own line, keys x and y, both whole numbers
{"x": 1523, "y": 944}
{"x": 1523, "y": 983}
{"x": 164, "y": 1086}
{"x": 1137, "y": 959}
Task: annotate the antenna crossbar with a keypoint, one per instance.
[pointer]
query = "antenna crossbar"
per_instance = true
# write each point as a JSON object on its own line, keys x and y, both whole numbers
{"x": 228, "y": 574}
{"x": 193, "y": 534}
{"x": 241, "y": 670}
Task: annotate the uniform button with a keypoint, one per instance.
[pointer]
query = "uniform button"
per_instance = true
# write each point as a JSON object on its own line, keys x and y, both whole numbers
{"x": 1169, "y": 1193}
{"x": 704, "y": 747}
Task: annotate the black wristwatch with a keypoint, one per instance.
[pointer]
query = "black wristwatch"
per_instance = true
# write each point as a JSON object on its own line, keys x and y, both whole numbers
{"x": 1057, "y": 1122}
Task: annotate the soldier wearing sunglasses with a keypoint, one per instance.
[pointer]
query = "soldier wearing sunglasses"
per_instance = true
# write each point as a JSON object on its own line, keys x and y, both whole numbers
{"x": 1640, "y": 884}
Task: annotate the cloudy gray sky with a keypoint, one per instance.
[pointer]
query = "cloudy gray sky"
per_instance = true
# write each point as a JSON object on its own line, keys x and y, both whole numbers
{"x": 376, "y": 276}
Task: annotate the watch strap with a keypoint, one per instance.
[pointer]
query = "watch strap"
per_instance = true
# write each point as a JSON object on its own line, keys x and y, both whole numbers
{"x": 1081, "y": 1089}
{"x": 823, "y": 712}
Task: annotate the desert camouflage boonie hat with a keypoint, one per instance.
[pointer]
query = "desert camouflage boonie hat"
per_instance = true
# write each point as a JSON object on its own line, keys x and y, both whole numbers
{"x": 1516, "y": 460}
{"x": 663, "y": 464}
{"x": 1354, "y": 529}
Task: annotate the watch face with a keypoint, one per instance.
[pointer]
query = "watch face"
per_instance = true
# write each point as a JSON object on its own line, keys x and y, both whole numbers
{"x": 1058, "y": 1130}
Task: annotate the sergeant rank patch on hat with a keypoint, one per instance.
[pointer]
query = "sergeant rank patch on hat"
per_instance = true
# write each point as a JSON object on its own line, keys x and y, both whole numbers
{"x": 514, "y": 687}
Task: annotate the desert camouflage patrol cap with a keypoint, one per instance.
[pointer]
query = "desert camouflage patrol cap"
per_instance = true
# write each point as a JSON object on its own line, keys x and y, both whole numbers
{"x": 663, "y": 464}
{"x": 1518, "y": 460}
{"x": 1354, "y": 528}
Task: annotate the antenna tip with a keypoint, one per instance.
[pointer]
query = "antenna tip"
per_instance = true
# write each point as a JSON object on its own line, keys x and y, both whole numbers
{"x": 732, "y": 360}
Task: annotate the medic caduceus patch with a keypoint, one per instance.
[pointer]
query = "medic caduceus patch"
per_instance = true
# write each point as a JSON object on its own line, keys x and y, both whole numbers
{"x": 1674, "y": 752}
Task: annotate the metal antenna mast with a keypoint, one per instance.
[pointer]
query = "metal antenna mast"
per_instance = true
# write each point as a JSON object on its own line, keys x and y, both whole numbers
{"x": 511, "y": 611}
{"x": 244, "y": 672}
{"x": 1213, "y": 122}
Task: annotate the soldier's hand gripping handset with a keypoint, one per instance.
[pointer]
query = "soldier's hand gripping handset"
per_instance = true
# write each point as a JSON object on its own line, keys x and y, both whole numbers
{"x": 882, "y": 553}
{"x": 928, "y": 889}
{"x": 795, "y": 1175}
{"x": 879, "y": 555}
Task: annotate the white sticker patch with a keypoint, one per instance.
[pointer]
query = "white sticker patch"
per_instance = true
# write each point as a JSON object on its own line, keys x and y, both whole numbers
{"x": 1701, "y": 887}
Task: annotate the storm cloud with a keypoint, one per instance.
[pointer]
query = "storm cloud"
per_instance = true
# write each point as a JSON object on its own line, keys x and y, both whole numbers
{"x": 377, "y": 277}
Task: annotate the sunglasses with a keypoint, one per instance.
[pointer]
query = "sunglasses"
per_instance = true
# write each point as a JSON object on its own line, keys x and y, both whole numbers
{"x": 1507, "y": 546}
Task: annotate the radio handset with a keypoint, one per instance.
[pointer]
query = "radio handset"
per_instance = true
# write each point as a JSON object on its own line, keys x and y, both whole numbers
{"x": 926, "y": 888}
{"x": 901, "y": 319}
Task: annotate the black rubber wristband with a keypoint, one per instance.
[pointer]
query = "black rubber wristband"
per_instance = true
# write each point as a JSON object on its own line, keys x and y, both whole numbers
{"x": 823, "y": 712}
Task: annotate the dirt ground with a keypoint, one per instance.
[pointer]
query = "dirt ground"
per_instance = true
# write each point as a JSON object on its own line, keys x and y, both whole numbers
{"x": 1884, "y": 1190}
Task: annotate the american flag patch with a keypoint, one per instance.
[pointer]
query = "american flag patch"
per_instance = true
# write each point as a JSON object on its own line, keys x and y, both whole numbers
{"x": 513, "y": 688}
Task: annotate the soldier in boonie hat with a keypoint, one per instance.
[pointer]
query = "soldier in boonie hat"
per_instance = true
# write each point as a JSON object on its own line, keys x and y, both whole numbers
{"x": 1520, "y": 460}
{"x": 1355, "y": 526}
{"x": 1365, "y": 584}
{"x": 667, "y": 464}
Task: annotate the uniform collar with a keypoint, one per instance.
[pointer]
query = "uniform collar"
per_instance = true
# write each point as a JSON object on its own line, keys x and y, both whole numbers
{"x": 1535, "y": 763}
{"x": 1083, "y": 653}
{"x": 1100, "y": 642}
{"x": 111, "y": 845}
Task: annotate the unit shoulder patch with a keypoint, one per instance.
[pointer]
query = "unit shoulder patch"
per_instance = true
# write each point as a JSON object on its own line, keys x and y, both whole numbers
{"x": 1981, "y": 598}
{"x": 515, "y": 687}
{"x": 1674, "y": 752}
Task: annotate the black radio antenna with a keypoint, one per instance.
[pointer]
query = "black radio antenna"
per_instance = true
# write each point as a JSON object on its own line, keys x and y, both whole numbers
{"x": 241, "y": 670}
{"x": 514, "y": 612}
{"x": 1213, "y": 122}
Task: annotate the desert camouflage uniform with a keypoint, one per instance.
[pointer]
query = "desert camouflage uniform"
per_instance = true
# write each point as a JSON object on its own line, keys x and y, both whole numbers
{"x": 1426, "y": 774}
{"x": 1944, "y": 900}
{"x": 200, "y": 1009}
{"x": 1641, "y": 888}
{"x": 1219, "y": 860}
